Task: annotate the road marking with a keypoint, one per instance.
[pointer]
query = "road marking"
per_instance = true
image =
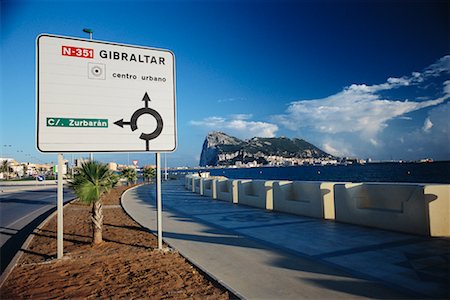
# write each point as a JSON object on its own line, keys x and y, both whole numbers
{"x": 42, "y": 198}
{"x": 27, "y": 215}
{"x": 22, "y": 198}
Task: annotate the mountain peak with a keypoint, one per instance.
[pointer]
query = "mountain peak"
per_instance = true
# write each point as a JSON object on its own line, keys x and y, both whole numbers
{"x": 219, "y": 138}
{"x": 222, "y": 149}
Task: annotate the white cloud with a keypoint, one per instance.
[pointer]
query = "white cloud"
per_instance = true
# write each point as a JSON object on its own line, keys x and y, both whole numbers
{"x": 210, "y": 122}
{"x": 360, "y": 108}
{"x": 374, "y": 142}
{"x": 355, "y": 109}
{"x": 241, "y": 116}
{"x": 427, "y": 125}
{"x": 440, "y": 121}
{"x": 337, "y": 147}
{"x": 354, "y": 120}
{"x": 327, "y": 147}
{"x": 238, "y": 125}
{"x": 447, "y": 87}
{"x": 433, "y": 139}
{"x": 394, "y": 82}
{"x": 231, "y": 99}
{"x": 441, "y": 66}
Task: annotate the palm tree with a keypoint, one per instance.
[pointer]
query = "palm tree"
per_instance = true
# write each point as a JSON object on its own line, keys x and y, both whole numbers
{"x": 130, "y": 174}
{"x": 92, "y": 180}
{"x": 25, "y": 169}
{"x": 149, "y": 173}
{"x": 4, "y": 168}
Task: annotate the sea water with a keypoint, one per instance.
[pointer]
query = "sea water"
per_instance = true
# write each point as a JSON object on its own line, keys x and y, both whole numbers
{"x": 435, "y": 172}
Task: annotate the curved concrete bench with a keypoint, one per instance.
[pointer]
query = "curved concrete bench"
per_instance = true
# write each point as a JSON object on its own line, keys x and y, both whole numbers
{"x": 413, "y": 208}
{"x": 227, "y": 190}
{"x": 312, "y": 199}
{"x": 209, "y": 187}
{"x": 256, "y": 193}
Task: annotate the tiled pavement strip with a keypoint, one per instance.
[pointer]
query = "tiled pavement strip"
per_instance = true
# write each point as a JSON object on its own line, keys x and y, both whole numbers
{"x": 313, "y": 258}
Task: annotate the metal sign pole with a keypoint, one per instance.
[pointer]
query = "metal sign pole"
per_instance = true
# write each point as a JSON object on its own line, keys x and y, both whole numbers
{"x": 59, "y": 205}
{"x": 165, "y": 166}
{"x": 158, "y": 199}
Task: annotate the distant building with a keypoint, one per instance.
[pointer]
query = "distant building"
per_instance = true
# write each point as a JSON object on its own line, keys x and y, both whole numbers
{"x": 112, "y": 166}
{"x": 122, "y": 167}
{"x": 80, "y": 161}
{"x": 8, "y": 159}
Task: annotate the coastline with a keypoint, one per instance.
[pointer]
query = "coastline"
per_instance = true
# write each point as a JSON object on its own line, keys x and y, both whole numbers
{"x": 404, "y": 172}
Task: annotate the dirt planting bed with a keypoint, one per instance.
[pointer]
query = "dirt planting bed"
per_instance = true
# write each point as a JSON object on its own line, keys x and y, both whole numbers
{"x": 126, "y": 265}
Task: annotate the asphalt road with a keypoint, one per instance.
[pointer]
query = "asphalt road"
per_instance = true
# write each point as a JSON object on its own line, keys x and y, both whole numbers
{"x": 22, "y": 209}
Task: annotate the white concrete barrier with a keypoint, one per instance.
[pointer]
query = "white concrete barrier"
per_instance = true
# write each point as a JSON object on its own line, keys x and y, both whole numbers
{"x": 188, "y": 182}
{"x": 190, "y": 179}
{"x": 197, "y": 183}
{"x": 437, "y": 197}
{"x": 313, "y": 199}
{"x": 412, "y": 208}
{"x": 209, "y": 187}
{"x": 256, "y": 193}
{"x": 227, "y": 190}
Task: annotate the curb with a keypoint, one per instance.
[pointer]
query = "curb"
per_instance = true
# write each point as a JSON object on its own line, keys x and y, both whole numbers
{"x": 232, "y": 292}
{"x": 28, "y": 241}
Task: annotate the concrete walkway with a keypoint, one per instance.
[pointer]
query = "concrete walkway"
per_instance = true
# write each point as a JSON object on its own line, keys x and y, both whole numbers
{"x": 265, "y": 255}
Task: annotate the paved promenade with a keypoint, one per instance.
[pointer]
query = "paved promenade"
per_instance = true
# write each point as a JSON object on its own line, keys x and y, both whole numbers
{"x": 265, "y": 255}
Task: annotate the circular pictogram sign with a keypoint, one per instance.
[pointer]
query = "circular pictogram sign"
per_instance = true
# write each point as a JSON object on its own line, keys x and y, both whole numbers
{"x": 133, "y": 122}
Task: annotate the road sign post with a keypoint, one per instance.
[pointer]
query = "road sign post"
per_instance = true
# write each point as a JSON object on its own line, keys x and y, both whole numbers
{"x": 60, "y": 211}
{"x": 158, "y": 200}
{"x": 89, "y": 99}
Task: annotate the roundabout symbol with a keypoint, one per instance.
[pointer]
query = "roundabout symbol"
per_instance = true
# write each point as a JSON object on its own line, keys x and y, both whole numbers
{"x": 133, "y": 122}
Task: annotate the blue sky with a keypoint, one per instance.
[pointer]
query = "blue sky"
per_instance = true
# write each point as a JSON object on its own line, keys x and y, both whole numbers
{"x": 356, "y": 78}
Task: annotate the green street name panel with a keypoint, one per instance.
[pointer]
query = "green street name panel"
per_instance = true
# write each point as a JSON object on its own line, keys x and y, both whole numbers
{"x": 95, "y": 96}
{"x": 71, "y": 122}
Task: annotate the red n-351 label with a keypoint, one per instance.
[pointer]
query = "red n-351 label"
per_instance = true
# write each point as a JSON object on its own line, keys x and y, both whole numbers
{"x": 77, "y": 52}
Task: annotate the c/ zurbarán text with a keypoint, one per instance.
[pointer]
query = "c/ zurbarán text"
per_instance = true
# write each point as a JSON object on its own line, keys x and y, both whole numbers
{"x": 77, "y": 122}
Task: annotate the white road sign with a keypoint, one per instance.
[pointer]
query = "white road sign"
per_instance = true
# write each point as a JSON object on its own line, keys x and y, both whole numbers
{"x": 97, "y": 96}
